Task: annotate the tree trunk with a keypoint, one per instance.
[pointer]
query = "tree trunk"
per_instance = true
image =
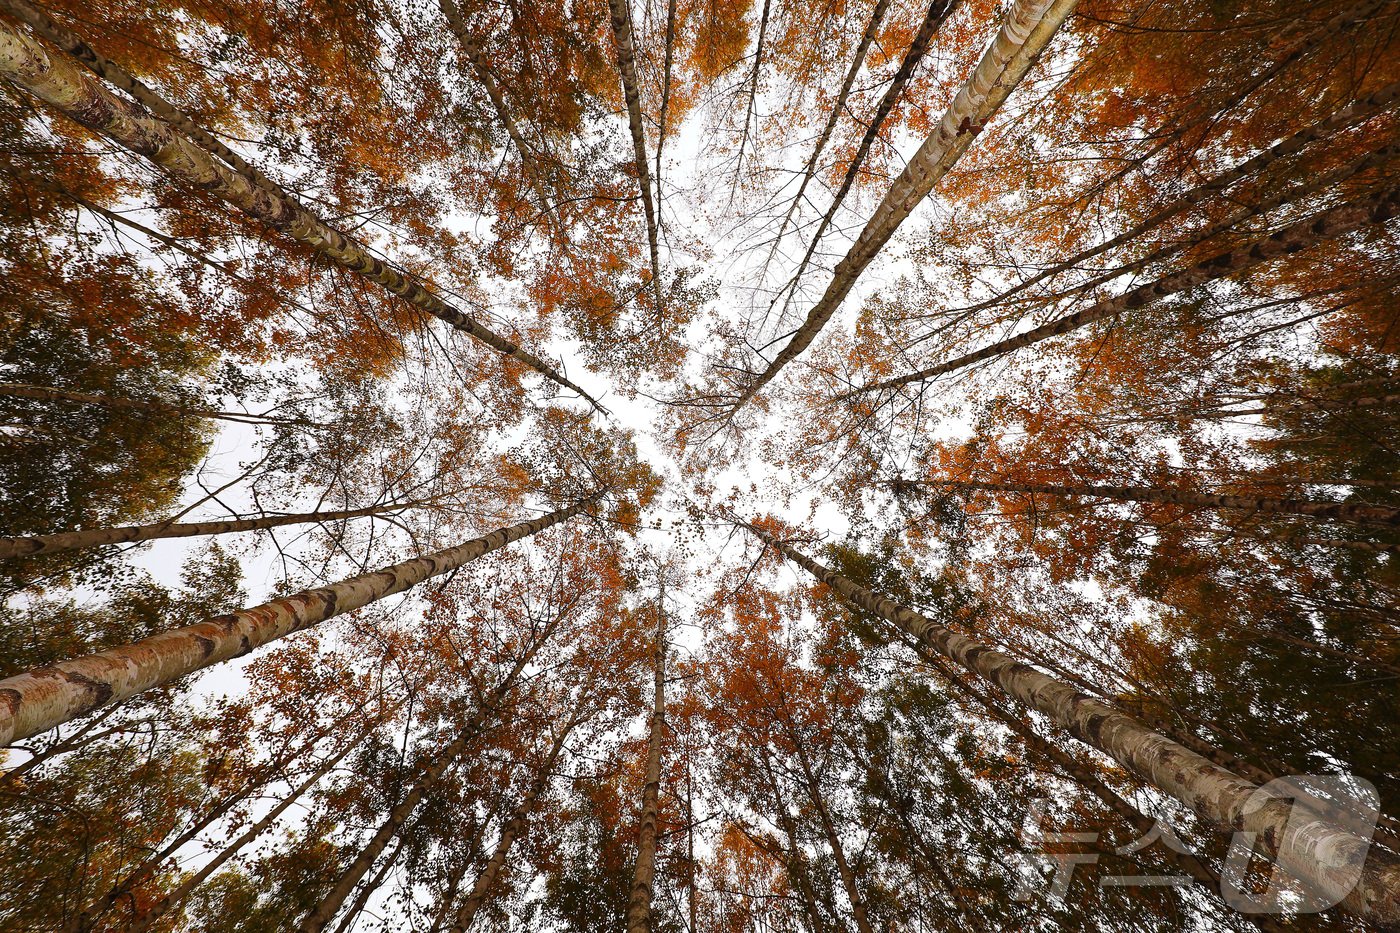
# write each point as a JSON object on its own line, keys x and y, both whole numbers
{"x": 453, "y": 886}
{"x": 1329, "y": 857}
{"x": 668, "y": 58}
{"x": 36, "y": 701}
{"x": 472, "y": 50}
{"x": 469, "y": 855}
{"x": 1358, "y": 111}
{"x": 643, "y": 877}
{"x": 83, "y": 99}
{"x": 511, "y": 831}
{"x": 795, "y": 860}
{"x": 833, "y": 841}
{"x": 365, "y": 892}
{"x": 1203, "y": 874}
{"x": 1351, "y": 513}
{"x": 621, "y": 19}
{"x": 933, "y": 19}
{"x": 809, "y": 171}
{"x": 119, "y": 77}
{"x": 49, "y": 394}
{"x": 1326, "y": 225}
{"x": 96, "y": 537}
{"x": 428, "y": 777}
{"x": 160, "y": 908}
{"x": 1029, "y": 27}
{"x": 1251, "y": 215}
{"x": 257, "y": 780}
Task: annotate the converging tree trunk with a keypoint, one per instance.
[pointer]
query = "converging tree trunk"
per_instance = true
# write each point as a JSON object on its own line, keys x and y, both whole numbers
{"x": 428, "y": 776}
{"x": 644, "y": 875}
{"x": 1375, "y": 208}
{"x": 60, "y": 84}
{"x": 472, "y": 49}
{"x": 1028, "y": 29}
{"x": 1327, "y": 856}
{"x": 833, "y": 839}
{"x": 620, "y": 15}
{"x": 145, "y": 920}
{"x": 126, "y": 534}
{"x": 838, "y": 107}
{"x": 50, "y": 394}
{"x": 937, "y": 13}
{"x": 1349, "y": 512}
{"x": 1203, "y": 874}
{"x": 36, "y": 701}
{"x": 512, "y": 830}
{"x": 1358, "y": 111}
{"x": 256, "y": 781}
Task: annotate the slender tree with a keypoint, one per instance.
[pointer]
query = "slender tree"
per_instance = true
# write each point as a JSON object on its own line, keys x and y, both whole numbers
{"x": 620, "y": 16}
{"x": 1349, "y": 512}
{"x": 96, "y": 537}
{"x": 44, "y": 698}
{"x": 429, "y": 775}
{"x": 1373, "y": 209}
{"x": 643, "y": 877}
{"x": 1329, "y": 857}
{"x": 514, "y": 828}
{"x": 62, "y": 86}
{"x": 1028, "y": 29}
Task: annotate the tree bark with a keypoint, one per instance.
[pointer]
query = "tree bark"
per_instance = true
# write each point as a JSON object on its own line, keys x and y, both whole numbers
{"x": 1029, "y": 27}
{"x": 668, "y": 58}
{"x": 1348, "y": 512}
{"x": 1202, "y": 873}
{"x": 60, "y": 84}
{"x": 119, "y": 77}
{"x": 795, "y": 861}
{"x": 96, "y": 537}
{"x": 621, "y": 20}
{"x": 453, "y": 886}
{"x": 514, "y": 827}
{"x": 363, "y": 897}
{"x": 1327, "y": 225}
{"x": 1320, "y": 852}
{"x": 1252, "y": 212}
{"x": 36, "y": 701}
{"x": 644, "y": 876}
{"x": 933, "y": 19}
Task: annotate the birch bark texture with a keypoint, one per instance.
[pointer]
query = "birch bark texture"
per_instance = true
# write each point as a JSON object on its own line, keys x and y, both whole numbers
{"x": 1028, "y": 29}
{"x": 59, "y": 83}
{"x": 49, "y": 696}
{"x": 1323, "y": 854}
{"x": 644, "y": 875}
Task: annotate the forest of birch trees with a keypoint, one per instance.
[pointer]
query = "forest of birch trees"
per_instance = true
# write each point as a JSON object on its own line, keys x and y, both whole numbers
{"x": 699, "y": 466}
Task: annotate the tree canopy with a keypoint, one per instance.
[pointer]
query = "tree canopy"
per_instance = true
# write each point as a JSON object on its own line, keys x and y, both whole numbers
{"x": 683, "y": 466}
